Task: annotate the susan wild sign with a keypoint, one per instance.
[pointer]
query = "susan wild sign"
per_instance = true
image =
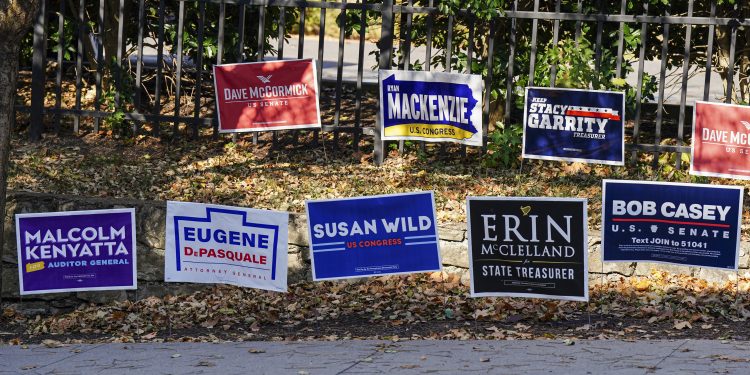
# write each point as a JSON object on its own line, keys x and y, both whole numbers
{"x": 687, "y": 224}
{"x": 231, "y": 245}
{"x": 377, "y": 235}
{"x": 76, "y": 251}
{"x": 431, "y": 106}
{"x": 574, "y": 125}
{"x": 528, "y": 247}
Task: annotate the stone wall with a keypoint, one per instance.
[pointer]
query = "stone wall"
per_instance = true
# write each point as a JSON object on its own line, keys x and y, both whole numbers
{"x": 150, "y": 223}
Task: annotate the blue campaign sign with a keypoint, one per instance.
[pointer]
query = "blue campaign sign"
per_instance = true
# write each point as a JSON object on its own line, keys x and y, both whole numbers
{"x": 687, "y": 224}
{"x": 431, "y": 106}
{"x": 377, "y": 235}
{"x": 574, "y": 125}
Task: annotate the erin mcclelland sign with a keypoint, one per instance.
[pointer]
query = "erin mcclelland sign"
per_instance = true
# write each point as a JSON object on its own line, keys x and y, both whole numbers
{"x": 76, "y": 251}
{"x": 431, "y": 106}
{"x": 721, "y": 140}
{"x": 574, "y": 125}
{"x": 208, "y": 243}
{"x": 687, "y": 224}
{"x": 375, "y": 235}
{"x": 528, "y": 247}
{"x": 269, "y": 95}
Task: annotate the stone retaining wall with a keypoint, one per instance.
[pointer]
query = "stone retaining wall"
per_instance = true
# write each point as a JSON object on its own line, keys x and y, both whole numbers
{"x": 150, "y": 223}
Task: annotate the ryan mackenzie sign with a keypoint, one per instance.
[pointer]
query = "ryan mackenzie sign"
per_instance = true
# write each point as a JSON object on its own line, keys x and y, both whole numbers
{"x": 528, "y": 247}
{"x": 269, "y": 95}
{"x": 431, "y": 106}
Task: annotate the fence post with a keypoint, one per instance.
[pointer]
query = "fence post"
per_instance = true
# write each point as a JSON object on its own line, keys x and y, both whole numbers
{"x": 36, "y": 125}
{"x": 385, "y": 44}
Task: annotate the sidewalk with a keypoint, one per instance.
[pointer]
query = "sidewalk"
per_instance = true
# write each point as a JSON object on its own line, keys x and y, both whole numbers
{"x": 381, "y": 357}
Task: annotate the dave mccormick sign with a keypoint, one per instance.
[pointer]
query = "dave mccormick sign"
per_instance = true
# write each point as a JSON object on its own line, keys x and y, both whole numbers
{"x": 377, "y": 235}
{"x": 528, "y": 247}
{"x": 230, "y": 245}
{"x": 431, "y": 106}
{"x": 688, "y": 224}
{"x": 76, "y": 251}
{"x": 721, "y": 140}
{"x": 261, "y": 96}
{"x": 574, "y": 125}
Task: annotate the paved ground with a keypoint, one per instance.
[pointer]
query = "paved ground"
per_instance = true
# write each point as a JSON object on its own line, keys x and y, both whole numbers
{"x": 379, "y": 357}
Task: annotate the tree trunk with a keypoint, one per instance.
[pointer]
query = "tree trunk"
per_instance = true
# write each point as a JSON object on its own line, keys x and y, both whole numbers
{"x": 16, "y": 17}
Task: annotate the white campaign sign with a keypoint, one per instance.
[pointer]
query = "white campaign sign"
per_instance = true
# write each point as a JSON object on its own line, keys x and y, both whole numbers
{"x": 231, "y": 245}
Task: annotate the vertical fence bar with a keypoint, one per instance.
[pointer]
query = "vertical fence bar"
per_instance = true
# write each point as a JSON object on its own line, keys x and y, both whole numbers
{"x": 120, "y": 53}
{"x": 79, "y": 65}
{"x": 731, "y": 62}
{"x": 60, "y": 62}
{"x": 428, "y": 38}
{"x": 511, "y": 58}
{"x": 621, "y": 40}
{"x": 282, "y": 27}
{"x": 178, "y": 69}
{"x": 219, "y": 59}
{"x": 469, "y": 59}
{"x": 428, "y": 51}
{"x": 488, "y": 83}
{"x": 339, "y": 77}
{"x": 139, "y": 63}
{"x": 199, "y": 68}
{"x": 321, "y": 49}
{"x": 279, "y": 55}
{"x": 301, "y": 51}
{"x": 301, "y": 37}
{"x": 386, "y": 51}
{"x": 36, "y": 127}
{"x": 261, "y": 51}
{"x": 241, "y": 47}
{"x": 662, "y": 79}
{"x": 532, "y": 56}
{"x": 449, "y": 46}
{"x": 579, "y": 10}
{"x": 598, "y": 48}
{"x": 709, "y": 51}
{"x": 159, "y": 67}
{"x": 683, "y": 88}
{"x": 406, "y": 50}
{"x": 99, "y": 65}
{"x": 555, "y": 40}
{"x": 639, "y": 86}
{"x": 360, "y": 71}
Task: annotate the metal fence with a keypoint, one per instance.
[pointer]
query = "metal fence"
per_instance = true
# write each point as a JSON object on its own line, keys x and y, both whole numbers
{"x": 173, "y": 97}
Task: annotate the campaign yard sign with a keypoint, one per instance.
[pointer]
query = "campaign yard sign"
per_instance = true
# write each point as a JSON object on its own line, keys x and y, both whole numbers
{"x": 431, "y": 106}
{"x": 686, "y": 224}
{"x": 528, "y": 247}
{"x": 721, "y": 140}
{"x": 209, "y": 243}
{"x": 376, "y": 235}
{"x": 574, "y": 125}
{"x": 76, "y": 251}
{"x": 268, "y": 95}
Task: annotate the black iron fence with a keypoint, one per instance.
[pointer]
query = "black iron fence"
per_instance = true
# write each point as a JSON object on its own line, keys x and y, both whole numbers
{"x": 144, "y": 66}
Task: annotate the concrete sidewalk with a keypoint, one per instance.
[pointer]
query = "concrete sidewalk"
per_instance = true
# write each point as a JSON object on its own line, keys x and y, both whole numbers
{"x": 381, "y": 357}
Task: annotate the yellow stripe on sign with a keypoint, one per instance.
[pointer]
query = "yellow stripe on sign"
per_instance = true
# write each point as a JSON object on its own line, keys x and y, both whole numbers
{"x": 427, "y": 131}
{"x": 31, "y": 267}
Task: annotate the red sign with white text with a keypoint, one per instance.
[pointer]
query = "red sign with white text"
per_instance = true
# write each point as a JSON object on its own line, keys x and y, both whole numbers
{"x": 272, "y": 95}
{"x": 721, "y": 140}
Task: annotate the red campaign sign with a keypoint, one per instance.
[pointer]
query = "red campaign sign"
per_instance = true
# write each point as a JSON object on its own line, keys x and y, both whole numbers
{"x": 272, "y": 95}
{"x": 721, "y": 140}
